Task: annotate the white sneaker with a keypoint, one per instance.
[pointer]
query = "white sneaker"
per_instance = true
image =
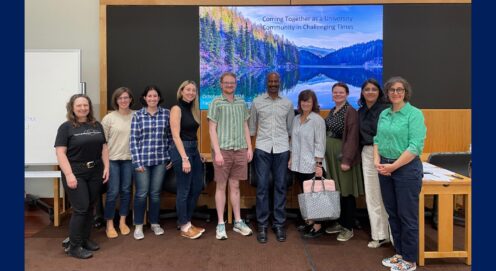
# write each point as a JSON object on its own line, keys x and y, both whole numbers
{"x": 345, "y": 235}
{"x": 377, "y": 243}
{"x": 138, "y": 232}
{"x": 241, "y": 227}
{"x": 157, "y": 229}
{"x": 220, "y": 232}
{"x": 334, "y": 228}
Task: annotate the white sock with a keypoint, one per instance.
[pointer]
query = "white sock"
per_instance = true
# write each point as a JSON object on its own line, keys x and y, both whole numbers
{"x": 186, "y": 227}
{"x": 139, "y": 227}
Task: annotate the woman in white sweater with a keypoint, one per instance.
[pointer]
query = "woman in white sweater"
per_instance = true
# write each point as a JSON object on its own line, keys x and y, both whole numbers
{"x": 117, "y": 127}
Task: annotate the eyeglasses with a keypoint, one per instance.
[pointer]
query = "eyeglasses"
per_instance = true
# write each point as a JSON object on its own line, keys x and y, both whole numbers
{"x": 371, "y": 89}
{"x": 397, "y": 90}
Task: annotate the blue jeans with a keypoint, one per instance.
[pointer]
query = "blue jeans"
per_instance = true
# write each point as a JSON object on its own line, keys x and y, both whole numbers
{"x": 148, "y": 183}
{"x": 189, "y": 185}
{"x": 271, "y": 166}
{"x": 400, "y": 193}
{"x": 119, "y": 184}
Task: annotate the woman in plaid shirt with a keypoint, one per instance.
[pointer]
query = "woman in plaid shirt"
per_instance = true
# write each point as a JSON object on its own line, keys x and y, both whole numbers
{"x": 150, "y": 141}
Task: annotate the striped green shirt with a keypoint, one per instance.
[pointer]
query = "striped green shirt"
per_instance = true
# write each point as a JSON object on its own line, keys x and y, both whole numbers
{"x": 230, "y": 118}
{"x": 400, "y": 131}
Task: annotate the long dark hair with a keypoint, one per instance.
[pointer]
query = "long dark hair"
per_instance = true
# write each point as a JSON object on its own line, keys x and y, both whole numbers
{"x": 148, "y": 89}
{"x": 380, "y": 99}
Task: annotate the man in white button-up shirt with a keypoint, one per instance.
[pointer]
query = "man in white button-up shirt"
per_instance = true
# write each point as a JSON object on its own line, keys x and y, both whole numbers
{"x": 270, "y": 121}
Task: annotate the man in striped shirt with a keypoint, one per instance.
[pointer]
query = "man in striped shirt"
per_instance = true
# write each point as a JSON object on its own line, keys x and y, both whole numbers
{"x": 231, "y": 151}
{"x": 271, "y": 118}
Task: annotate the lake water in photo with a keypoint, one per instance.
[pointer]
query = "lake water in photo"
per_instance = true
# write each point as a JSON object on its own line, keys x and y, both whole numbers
{"x": 252, "y": 82}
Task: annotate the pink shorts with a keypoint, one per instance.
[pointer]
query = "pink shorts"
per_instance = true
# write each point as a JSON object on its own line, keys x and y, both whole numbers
{"x": 235, "y": 165}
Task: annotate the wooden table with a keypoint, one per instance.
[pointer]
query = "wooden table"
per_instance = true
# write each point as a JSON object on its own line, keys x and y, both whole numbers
{"x": 55, "y": 175}
{"x": 446, "y": 191}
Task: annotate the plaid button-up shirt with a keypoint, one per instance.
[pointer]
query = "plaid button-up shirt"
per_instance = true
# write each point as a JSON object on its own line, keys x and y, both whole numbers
{"x": 150, "y": 138}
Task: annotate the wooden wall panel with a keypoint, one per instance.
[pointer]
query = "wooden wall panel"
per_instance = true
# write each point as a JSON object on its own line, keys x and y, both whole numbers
{"x": 447, "y": 130}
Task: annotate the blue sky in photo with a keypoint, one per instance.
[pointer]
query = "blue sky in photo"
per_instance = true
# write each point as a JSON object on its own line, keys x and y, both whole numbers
{"x": 366, "y": 21}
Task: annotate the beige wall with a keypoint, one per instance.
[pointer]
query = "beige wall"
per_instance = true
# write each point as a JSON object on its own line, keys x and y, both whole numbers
{"x": 65, "y": 24}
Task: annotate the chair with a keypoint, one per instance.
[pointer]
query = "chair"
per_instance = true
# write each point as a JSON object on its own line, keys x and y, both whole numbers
{"x": 458, "y": 162}
{"x": 170, "y": 185}
{"x": 252, "y": 177}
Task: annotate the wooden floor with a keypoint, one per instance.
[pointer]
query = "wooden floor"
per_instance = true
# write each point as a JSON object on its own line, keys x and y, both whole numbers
{"x": 171, "y": 252}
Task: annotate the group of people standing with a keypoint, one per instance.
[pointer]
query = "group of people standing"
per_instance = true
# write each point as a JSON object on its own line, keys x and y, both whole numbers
{"x": 143, "y": 144}
{"x": 373, "y": 151}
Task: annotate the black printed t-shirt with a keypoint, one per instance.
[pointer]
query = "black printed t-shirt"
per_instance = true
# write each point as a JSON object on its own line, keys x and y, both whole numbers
{"x": 84, "y": 143}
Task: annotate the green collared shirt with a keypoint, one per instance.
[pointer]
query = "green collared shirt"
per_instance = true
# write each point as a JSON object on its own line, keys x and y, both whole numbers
{"x": 230, "y": 118}
{"x": 400, "y": 131}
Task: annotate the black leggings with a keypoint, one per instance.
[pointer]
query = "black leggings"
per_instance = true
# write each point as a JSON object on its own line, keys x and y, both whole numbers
{"x": 82, "y": 199}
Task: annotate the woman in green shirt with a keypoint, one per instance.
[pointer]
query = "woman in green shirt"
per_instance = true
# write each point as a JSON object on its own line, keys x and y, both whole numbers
{"x": 397, "y": 146}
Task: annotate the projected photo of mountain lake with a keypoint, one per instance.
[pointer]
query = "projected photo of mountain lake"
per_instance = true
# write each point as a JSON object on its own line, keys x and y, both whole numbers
{"x": 311, "y": 47}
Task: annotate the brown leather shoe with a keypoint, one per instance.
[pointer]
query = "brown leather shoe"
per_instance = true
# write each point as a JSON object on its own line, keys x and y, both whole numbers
{"x": 200, "y": 229}
{"x": 191, "y": 233}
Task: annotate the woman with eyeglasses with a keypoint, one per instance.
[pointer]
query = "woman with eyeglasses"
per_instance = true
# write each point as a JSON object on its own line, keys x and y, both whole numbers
{"x": 398, "y": 144}
{"x": 83, "y": 157}
{"x": 372, "y": 103}
{"x": 343, "y": 159}
{"x": 117, "y": 127}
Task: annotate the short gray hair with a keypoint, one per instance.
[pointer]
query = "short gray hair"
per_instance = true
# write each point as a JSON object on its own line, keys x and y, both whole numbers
{"x": 398, "y": 79}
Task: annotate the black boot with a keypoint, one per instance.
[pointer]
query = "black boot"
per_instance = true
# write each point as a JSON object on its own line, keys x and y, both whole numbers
{"x": 79, "y": 252}
{"x": 90, "y": 245}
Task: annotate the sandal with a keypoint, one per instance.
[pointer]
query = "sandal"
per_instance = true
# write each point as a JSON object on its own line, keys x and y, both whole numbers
{"x": 124, "y": 229}
{"x": 111, "y": 233}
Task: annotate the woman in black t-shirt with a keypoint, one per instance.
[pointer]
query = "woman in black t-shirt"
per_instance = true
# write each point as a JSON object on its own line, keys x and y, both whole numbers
{"x": 83, "y": 156}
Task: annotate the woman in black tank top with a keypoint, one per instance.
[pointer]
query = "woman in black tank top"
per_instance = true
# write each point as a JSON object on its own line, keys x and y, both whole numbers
{"x": 185, "y": 120}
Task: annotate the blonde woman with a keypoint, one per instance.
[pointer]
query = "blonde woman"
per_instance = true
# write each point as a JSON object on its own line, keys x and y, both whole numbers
{"x": 185, "y": 157}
